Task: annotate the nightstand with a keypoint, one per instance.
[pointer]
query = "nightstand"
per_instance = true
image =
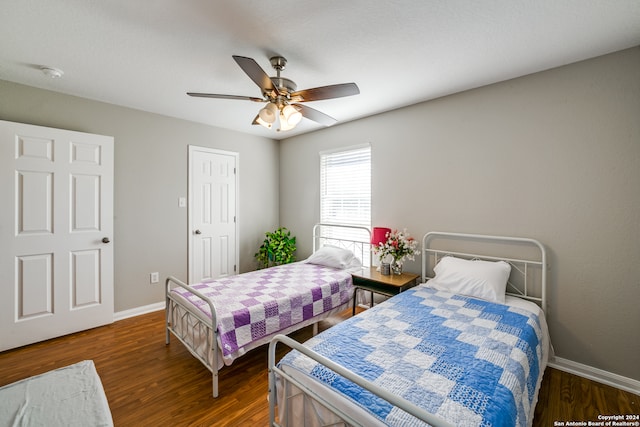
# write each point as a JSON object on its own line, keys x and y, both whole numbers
{"x": 369, "y": 279}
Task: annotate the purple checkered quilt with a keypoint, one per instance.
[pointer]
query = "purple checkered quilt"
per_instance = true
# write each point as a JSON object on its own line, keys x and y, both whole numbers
{"x": 256, "y": 304}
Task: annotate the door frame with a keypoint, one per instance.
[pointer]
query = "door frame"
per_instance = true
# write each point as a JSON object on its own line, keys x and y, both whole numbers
{"x": 191, "y": 150}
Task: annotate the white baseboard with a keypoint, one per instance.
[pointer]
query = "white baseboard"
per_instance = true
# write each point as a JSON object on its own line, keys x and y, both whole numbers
{"x": 138, "y": 311}
{"x": 595, "y": 374}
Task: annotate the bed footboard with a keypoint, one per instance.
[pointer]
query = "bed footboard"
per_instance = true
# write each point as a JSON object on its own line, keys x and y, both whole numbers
{"x": 188, "y": 325}
{"x": 275, "y": 372}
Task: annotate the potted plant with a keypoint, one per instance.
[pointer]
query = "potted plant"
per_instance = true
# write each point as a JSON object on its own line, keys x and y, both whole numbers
{"x": 278, "y": 248}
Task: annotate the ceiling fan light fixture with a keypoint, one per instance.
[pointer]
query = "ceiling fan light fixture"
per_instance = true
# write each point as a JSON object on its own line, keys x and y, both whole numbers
{"x": 269, "y": 113}
{"x": 291, "y": 115}
{"x": 279, "y": 92}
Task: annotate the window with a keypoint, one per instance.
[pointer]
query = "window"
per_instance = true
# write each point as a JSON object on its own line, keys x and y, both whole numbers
{"x": 345, "y": 187}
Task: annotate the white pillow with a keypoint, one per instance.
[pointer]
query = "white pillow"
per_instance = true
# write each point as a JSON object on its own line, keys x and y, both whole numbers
{"x": 355, "y": 265}
{"x": 480, "y": 279}
{"x": 331, "y": 256}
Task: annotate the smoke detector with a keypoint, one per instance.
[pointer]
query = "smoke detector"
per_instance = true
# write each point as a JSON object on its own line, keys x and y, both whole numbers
{"x": 51, "y": 72}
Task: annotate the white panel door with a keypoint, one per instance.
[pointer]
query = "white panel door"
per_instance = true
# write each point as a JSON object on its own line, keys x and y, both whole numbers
{"x": 212, "y": 214}
{"x": 56, "y": 226}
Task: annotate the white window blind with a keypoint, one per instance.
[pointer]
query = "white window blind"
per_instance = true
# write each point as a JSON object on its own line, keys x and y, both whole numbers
{"x": 345, "y": 187}
{"x": 345, "y": 193}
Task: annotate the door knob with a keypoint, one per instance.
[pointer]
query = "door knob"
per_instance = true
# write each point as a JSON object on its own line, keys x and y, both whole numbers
{"x": 105, "y": 240}
{"x": 198, "y": 232}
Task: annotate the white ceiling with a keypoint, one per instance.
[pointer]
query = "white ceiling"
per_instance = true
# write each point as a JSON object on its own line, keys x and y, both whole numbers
{"x": 145, "y": 54}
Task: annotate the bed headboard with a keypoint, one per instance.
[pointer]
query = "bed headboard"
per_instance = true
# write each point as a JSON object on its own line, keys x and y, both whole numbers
{"x": 527, "y": 257}
{"x": 352, "y": 237}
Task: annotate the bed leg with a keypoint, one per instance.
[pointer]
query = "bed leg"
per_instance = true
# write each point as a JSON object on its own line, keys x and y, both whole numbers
{"x": 315, "y": 329}
{"x": 214, "y": 370}
{"x": 214, "y": 380}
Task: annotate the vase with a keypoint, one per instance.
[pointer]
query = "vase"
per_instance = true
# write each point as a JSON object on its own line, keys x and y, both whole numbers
{"x": 396, "y": 268}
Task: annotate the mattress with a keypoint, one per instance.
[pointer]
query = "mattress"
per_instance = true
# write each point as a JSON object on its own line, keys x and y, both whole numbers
{"x": 69, "y": 396}
{"x": 252, "y": 307}
{"x": 468, "y": 361}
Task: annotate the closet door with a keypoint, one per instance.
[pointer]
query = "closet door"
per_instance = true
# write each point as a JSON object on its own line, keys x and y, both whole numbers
{"x": 56, "y": 232}
{"x": 213, "y": 248}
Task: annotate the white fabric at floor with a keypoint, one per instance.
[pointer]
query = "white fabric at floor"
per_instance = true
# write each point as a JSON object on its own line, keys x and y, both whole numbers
{"x": 69, "y": 396}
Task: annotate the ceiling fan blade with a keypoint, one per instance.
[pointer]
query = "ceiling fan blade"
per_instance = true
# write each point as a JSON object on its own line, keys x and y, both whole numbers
{"x": 215, "y": 95}
{"x": 325, "y": 92}
{"x": 256, "y": 73}
{"x": 315, "y": 115}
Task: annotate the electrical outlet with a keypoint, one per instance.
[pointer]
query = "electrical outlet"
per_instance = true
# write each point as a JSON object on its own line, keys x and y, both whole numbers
{"x": 154, "y": 277}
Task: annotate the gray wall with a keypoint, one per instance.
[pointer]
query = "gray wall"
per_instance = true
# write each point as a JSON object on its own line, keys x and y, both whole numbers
{"x": 150, "y": 175}
{"x": 553, "y": 156}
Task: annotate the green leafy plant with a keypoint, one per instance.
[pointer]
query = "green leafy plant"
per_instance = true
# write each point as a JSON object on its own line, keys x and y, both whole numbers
{"x": 278, "y": 248}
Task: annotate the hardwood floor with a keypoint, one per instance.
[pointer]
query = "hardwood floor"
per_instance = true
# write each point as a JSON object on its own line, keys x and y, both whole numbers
{"x": 150, "y": 384}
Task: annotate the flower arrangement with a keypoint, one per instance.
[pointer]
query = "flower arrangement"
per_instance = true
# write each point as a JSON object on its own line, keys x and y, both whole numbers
{"x": 398, "y": 247}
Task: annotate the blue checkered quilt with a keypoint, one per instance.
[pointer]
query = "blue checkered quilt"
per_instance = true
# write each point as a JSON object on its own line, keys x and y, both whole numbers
{"x": 472, "y": 362}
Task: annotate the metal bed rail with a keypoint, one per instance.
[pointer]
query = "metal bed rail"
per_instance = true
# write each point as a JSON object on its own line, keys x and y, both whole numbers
{"x": 186, "y": 334}
{"x": 346, "y": 237}
{"x": 393, "y": 399}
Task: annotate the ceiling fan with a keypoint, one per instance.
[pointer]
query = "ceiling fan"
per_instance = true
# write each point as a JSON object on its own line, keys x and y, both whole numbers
{"x": 282, "y": 97}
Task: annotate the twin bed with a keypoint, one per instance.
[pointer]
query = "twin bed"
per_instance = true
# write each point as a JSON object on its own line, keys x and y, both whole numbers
{"x": 467, "y": 347}
{"x": 221, "y": 320}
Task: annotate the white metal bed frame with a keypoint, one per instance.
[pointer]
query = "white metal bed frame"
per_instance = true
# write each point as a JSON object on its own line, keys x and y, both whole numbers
{"x": 518, "y": 285}
{"x": 195, "y": 324}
